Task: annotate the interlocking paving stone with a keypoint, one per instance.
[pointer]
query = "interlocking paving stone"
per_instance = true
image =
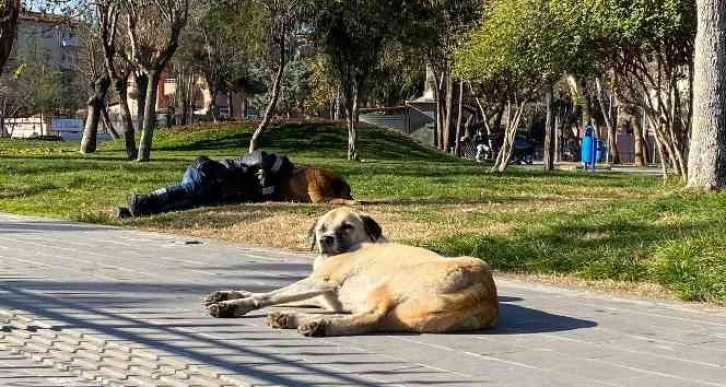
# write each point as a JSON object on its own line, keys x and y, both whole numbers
{"x": 86, "y": 305}
{"x": 17, "y": 370}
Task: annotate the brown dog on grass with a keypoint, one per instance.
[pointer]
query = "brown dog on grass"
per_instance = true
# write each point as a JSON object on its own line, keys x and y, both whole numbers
{"x": 315, "y": 185}
{"x": 375, "y": 287}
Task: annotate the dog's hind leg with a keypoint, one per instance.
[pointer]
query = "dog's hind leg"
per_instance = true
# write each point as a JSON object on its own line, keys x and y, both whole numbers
{"x": 291, "y": 320}
{"x": 378, "y": 301}
{"x": 355, "y": 324}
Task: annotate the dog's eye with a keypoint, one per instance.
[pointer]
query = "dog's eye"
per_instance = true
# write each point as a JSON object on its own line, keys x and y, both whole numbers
{"x": 346, "y": 227}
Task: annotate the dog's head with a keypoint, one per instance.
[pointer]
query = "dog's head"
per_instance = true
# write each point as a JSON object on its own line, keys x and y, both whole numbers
{"x": 342, "y": 230}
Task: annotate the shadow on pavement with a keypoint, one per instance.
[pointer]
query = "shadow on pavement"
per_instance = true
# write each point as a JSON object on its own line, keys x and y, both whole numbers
{"x": 515, "y": 319}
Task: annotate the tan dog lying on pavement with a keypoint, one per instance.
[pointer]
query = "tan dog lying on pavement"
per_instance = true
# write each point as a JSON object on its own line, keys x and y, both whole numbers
{"x": 376, "y": 287}
{"x": 358, "y": 228}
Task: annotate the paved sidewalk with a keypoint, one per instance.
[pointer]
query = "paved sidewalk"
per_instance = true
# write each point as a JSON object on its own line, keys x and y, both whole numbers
{"x": 84, "y": 305}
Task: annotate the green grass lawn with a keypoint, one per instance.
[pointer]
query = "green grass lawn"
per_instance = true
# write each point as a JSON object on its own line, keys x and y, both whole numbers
{"x": 606, "y": 226}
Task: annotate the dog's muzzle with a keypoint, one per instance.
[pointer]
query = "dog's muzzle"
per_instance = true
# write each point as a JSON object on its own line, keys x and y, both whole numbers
{"x": 329, "y": 244}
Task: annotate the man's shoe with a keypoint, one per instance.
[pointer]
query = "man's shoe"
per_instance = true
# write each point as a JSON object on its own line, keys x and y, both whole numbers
{"x": 160, "y": 201}
{"x": 121, "y": 213}
{"x": 134, "y": 208}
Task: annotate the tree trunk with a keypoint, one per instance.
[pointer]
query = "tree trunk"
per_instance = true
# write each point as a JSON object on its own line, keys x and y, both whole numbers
{"x": 95, "y": 106}
{"x": 549, "y": 140}
{"x": 276, "y": 86}
{"x": 620, "y": 123}
{"x": 128, "y": 122}
{"x": 659, "y": 147}
{"x": 188, "y": 101}
{"x": 459, "y": 118}
{"x": 142, "y": 84}
{"x": 147, "y": 131}
{"x": 438, "y": 116}
{"x": 9, "y": 9}
{"x": 336, "y": 107}
{"x": 230, "y": 104}
{"x": 352, "y": 138}
{"x": 352, "y": 129}
{"x": 608, "y": 119}
{"x": 43, "y": 126}
{"x": 613, "y": 134}
{"x": 485, "y": 120}
{"x": 560, "y": 120}
{"x": 663, "y": 157}
{"x": 108, "y": 124}
{"x": 639, "y": 154}
{"x": 707, "y": 158}
{"x": 449, "y": 107}
{"x": 505, "y": 153}
{"x": 213, "y": 109}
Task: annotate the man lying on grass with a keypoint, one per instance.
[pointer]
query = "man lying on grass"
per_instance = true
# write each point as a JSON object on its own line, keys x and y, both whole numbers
{"x": 258, "y": 176}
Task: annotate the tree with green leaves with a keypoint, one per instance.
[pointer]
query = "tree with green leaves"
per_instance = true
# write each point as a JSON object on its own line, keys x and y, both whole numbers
{"x": 222, "y": 38}
{"x": 283, "y": 19}
{"x": 295, "y": 88}
{"x": 399, "y": 77}
{"x": 93, "y": 69}
{"x": 435, "y": 28}
{"x": 353, "y": 34}
{"x": 154, "y": 28}
{"x": 323, "y": 88}
{"x": 637, "y": 52}
{"x": 117, "y": 63}
{"x": 41, "y": 84}
{"x": 649, "y": 46}
{"x": 519, "y": 49}
{"x": 707, "y": 158}
{"x": 15, "y": 99}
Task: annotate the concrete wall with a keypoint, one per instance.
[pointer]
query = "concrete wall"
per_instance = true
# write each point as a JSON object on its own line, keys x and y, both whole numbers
{"x": 27, "y": 128}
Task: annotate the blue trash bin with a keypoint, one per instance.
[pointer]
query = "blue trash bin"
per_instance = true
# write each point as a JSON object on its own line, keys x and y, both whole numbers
{"x": 588, "y": 151}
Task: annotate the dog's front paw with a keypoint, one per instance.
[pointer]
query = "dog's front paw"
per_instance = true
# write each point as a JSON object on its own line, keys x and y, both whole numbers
{"x": 281, "y": 320}
{"x": 224, "y": 295}
{"x": 314, "y": 328}
{"x": 215, "y": 297}
{"x": 221, "y": 310}
{"x": 230, "y": 309}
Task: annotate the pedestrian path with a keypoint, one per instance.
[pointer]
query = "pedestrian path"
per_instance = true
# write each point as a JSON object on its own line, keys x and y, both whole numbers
{"x": 87, "y": 305}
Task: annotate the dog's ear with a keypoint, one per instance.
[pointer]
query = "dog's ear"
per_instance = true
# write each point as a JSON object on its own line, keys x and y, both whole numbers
{"x": 310, "y": 235}
{"x": 373, "y": 229}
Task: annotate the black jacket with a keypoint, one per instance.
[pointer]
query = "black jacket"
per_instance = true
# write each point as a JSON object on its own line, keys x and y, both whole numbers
{"x": 256, "y": 175}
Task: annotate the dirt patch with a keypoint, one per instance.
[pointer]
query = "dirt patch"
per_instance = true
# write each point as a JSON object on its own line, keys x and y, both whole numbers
{"x": 289, "y": 230}
{"x": 285, "y": 225}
